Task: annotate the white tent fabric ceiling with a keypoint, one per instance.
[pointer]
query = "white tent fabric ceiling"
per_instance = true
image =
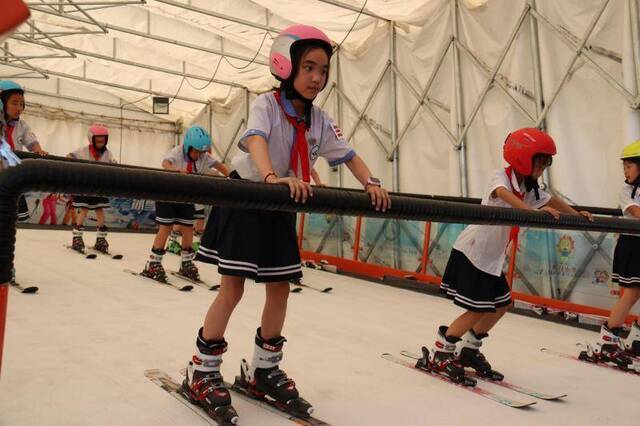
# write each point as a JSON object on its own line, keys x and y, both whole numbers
{"x": 126, "y": 53}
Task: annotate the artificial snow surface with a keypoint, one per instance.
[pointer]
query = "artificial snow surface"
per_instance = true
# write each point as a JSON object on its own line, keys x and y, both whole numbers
{"x": 75, "y": 352}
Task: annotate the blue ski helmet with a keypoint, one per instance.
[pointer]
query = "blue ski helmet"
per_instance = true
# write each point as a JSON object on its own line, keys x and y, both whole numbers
{"x": 8, "y": 88}
{"x": 196, "y": 138}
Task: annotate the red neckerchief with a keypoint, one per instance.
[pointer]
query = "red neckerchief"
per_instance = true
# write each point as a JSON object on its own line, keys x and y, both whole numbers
{"x": 513, "y": 234}
{"x": 300, "y": 146}
{"x": 191, "y": 165}
{"x": 94, "y": 153}
{"x": 10, "y": 137}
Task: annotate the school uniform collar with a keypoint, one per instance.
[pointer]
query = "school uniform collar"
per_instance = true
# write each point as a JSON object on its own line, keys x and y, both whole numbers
{"x": 288, "y": 105}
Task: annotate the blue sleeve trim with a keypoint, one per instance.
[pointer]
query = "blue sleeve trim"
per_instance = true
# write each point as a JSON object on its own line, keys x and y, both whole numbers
{"x": 249, "y": 133}
{"x": 342, "y": 160}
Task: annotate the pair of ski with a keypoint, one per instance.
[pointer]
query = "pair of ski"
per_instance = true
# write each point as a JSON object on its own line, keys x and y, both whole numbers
{"x": 22, "y": 289}
{"x": 410, "y": 359}
{"x": 174, "y": 389}
{"x": 300, "y": 285}
{"x": 174, "y": 285}
{"x": 93, "y": 253}
{"x": 597, "y": 364}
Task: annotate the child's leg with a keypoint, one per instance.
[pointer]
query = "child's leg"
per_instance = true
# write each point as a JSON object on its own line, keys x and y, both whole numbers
{"x": 161, "y": 237}
{"x": 187, "y": 267}
{"x": 467, "y": 350}
{"x": 187, "y": 237}
{"x": 204, "y": 382}
{"x": 263, "y": 375}
{"x": 622, "y": 307}
{"x": 81, "y": 216}
{"x": 199, "y": 226}
{"x": 275, "y": 309}
{"x": 100, "y": 217}
{"x": 464, "y": 323}
{"x": 217, "y": 318}
{"x": 488, "y": 320}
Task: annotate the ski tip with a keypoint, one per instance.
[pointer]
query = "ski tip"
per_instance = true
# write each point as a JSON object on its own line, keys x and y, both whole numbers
{"x": 186, "y": 288}
{"x": 30, "y": 290}
{"x": 117, "y": 256}
{"x": 215, "y": 287}
{"x": 327, "y": 290}
{"x": 91, "y": 256}
{"x": 296, "y": 290}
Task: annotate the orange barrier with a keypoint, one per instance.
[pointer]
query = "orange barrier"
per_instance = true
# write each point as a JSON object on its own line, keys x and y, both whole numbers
{"x": 369, "y": 270}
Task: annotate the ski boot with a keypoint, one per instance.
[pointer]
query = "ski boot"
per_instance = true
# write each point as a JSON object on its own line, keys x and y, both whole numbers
{"x": 263, "y": 378}
{"x": 77, "y": 243}
{"x": 174, "y": 246}
{"x": 468, "y": 354}
{"x": 153, "y": 269}
{"x": 101, "y": 244}
{"x": 204, "y": 385}
{"x": 188, "y": 269}
{"x": 632, "y": 342}
{"x": 608, "y": 349}
{"x": 442, "y": 361}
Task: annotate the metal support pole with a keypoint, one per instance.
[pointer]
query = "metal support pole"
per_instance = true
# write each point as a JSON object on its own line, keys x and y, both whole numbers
{"x": 576, "y": 55}
{"x": 424, "y": 262}
{"x": 459, "y": 105}
{"x": 635, "y": 43}
{"x": 356, "y": 242}
{"x": 395, "y": 162}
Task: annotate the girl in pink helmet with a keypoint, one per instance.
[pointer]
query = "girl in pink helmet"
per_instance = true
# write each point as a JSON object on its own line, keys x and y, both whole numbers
{"x": 95, "y": 150}
{"x": 285, "y": 135}
{"x": 473, "y": 277}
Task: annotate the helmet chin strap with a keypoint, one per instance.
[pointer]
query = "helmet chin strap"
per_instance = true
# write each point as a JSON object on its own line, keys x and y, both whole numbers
{"x": 292, "y": 93}
{"x": 635, "y": 184}
{"x": 532, "y": 184}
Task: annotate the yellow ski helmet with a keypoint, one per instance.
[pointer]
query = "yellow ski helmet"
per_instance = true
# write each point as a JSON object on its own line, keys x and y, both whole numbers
{"x": 631, "y": 151}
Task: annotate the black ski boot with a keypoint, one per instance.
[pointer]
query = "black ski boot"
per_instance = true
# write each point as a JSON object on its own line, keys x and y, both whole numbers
{"x": 441, "y": 360}
{"x": 468, "y": 355}
{"x": 608, "y": 349}
{"x": 77, "y": 243}
{"x": 101, "y": 244}
{"x": 153, "y": 269}
{"x": 188, "y": 269}
{"x": 263, "y": 378}
{"x": 204, "y": 385}
{"x": 632, "y": 342}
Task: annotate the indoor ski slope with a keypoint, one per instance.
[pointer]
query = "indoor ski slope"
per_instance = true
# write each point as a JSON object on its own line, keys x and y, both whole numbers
{"x": 75, "y": 352}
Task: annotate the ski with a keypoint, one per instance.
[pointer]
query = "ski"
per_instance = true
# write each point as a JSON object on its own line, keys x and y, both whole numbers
{"x": 83, "y": 253}
{"x": 177, "y": 287}
{"x": 299, "y": 283}
{"x": 502, "y": 383}
{"x": 599, "y": 364}
{"x": 174, "y": 389}
{"x": 198, "y": 282}
{"x": 113, "y": 256}
{"x": 22, "y": 289}
{"x": 475, "y": 389}
{"x": 274, "y": 407}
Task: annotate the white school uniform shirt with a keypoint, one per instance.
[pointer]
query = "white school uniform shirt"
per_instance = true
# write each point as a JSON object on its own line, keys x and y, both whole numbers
{"x": 626, "y": 201}
{"x": 22, "y": 135}
{"x": 84, "y": 153}
{"x": 179, "y": 159}
{"x": 268, "y": 120}
{"x": 486, "y": 245}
